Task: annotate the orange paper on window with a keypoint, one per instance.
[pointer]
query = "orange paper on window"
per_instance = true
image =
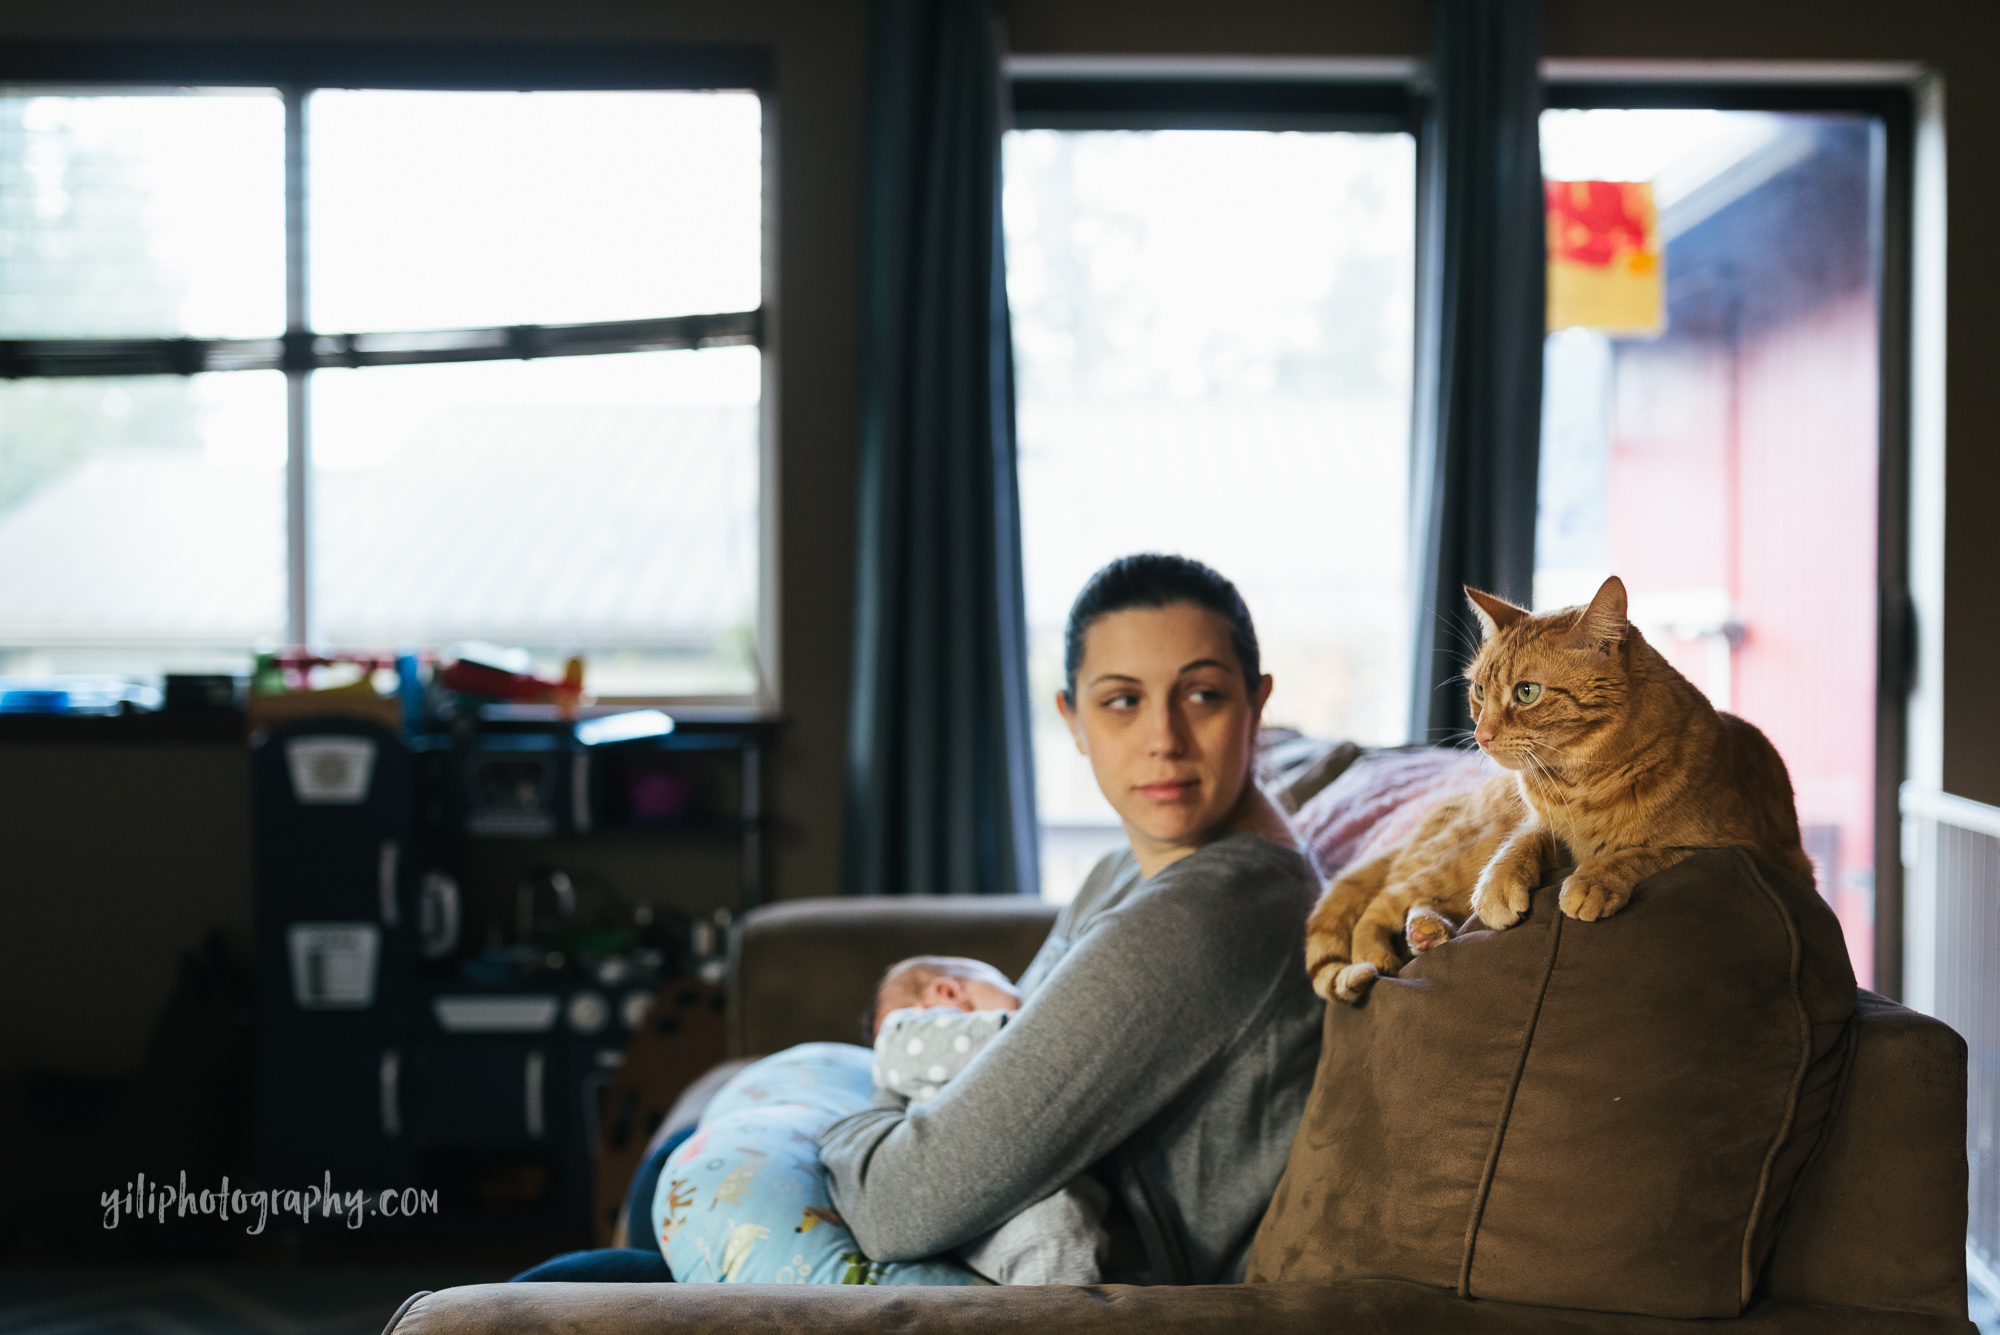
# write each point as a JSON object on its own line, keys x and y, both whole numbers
{"x": 1604, "y": 257}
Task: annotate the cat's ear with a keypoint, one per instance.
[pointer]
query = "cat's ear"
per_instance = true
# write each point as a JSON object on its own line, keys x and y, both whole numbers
{"x": 1603, "y": 626}
{"x": 1495, "y": 614}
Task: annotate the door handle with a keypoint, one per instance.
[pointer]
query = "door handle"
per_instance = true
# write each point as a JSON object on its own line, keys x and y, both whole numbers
{"x": 389, "y": 1076}
{"x": 385, "y": 869}
{"x": 531, "y": 1082}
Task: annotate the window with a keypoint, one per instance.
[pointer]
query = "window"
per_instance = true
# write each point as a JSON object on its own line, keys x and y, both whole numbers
{"x": 493, "y": 375}
{"x": 142, "y": 516}
{"x": 1213, "y": 342}
{"x": 1726, "y": 458}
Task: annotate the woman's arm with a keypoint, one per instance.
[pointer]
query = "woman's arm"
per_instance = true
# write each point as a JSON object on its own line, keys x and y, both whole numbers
{"x": 1152, "y": 994}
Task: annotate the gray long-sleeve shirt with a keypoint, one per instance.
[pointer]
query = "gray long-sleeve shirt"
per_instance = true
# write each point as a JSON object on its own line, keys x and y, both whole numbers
{"x": 1168, "y": 1019}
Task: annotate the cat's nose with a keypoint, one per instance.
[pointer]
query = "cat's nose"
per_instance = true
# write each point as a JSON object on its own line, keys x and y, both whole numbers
{"x": 1483, "y": 735}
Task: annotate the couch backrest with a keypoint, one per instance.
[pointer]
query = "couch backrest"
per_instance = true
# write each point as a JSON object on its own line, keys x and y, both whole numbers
{"x": 1878, "y": 1217}
{"x": 805, "y": 971}
{"x": 1607, "y": 1116}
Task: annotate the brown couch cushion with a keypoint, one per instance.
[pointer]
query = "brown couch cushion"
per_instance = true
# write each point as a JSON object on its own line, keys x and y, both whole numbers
{"x": 1878, "y": 1218}
{"x": 1603, "y": 1115}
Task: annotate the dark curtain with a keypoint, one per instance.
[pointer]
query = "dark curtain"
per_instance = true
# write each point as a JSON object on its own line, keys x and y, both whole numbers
{"x": 1481, "y": 317}
{"x": 940, "y": 778}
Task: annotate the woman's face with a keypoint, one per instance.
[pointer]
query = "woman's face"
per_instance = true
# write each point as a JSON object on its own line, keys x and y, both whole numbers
{"x": 1162, "y": 711}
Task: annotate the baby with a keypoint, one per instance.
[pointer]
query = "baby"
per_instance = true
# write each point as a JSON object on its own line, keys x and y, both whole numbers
{"x": 933, "y": 1013}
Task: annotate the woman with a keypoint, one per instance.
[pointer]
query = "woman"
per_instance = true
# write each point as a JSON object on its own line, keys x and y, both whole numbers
{"x": 1168, "y": 1033}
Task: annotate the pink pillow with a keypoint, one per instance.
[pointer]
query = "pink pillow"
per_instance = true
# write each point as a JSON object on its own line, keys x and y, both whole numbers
{"x": 1381, "y": 798}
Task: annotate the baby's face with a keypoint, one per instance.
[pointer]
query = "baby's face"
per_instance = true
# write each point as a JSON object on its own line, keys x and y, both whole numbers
{"x": 968, "y": 994}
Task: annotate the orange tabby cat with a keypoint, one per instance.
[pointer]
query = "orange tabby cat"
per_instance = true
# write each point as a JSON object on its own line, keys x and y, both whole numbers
{"x": 1619, "y": 765}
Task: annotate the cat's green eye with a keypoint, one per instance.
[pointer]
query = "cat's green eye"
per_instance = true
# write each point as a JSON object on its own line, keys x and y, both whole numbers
{"x": 1479, "y": 692}
{"x": 1528, "y": 692}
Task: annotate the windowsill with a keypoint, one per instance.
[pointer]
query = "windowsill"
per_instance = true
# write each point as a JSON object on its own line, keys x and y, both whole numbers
{"x": 228, "y": 725}
{"x": 159, "y": 726}
{"x": 727, "y": 713}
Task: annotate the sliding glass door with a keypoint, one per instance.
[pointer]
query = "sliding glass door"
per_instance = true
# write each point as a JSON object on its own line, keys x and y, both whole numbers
{"x": 1712, "y": 428}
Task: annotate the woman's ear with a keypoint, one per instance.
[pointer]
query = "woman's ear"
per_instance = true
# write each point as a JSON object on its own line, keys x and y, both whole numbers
{"x": 1068, "y": 712}
{"x": 1264, "y": 685}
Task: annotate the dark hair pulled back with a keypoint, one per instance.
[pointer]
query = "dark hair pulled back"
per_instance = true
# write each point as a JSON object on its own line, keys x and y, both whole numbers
{"x": 1153, "y": 579}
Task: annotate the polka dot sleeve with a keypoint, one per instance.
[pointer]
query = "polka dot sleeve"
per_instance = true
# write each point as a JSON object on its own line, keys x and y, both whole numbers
{"x": 919, "y": 1050}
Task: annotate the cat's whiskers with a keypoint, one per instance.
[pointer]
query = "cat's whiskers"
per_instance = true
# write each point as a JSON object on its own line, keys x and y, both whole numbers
{"x": 1529, "y": 779}
{"x": 1569, "y": 757}
{"x": 1458, "y": 630}
{"x": 1539, "y": 753}
{"x": 1566, "y": 761}
{"x": 1548, "y": 784}
{"x": 1562, "y": 788}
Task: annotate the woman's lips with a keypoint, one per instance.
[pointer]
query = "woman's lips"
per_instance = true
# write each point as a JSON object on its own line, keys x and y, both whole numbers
{"x": 1171, "y": 791}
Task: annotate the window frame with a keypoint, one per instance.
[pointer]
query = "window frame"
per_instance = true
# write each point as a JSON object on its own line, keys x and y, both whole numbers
{"x": 294, "y": 70}
{"x": 1213, "y": 93}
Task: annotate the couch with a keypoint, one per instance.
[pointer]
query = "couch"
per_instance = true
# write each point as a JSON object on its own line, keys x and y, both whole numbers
{"x": 1869, "y": 1234}
{"x": 1873, "y": 1239}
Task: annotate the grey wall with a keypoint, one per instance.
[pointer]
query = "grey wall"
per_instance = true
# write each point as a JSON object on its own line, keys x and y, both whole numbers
{"x": 116, "y": 860}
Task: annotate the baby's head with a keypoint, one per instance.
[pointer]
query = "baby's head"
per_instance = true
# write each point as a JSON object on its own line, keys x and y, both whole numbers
{"x": 942, "y": 980}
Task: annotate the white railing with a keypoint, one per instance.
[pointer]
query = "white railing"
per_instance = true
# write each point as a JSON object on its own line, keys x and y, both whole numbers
{"x": 1951, "y": 856}
{"x": 1951, "y": 969}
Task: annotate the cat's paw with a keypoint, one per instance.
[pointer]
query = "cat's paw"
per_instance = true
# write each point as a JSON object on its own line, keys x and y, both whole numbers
{"x": 1588, "y": 898}
{"x": 1499, "y": 904}
{"x": 1426, "y": 929}
{"x": 1352, "y": 983}
{"x": 1322, "y": 963}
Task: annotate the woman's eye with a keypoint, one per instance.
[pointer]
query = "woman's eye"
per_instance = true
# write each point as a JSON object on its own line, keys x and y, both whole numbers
{"x": 1478, "y": 692}
{"x": 1126, "y": 701}
{"x": 1528, "y": 692}
{"x": 1205, "y": 695}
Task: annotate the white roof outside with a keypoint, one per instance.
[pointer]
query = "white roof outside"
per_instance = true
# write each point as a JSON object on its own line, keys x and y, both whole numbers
{"x": 602, "y": 527}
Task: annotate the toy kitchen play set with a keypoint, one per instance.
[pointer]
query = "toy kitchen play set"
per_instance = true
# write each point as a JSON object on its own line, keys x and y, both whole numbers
{"x": 426, "y": 1020}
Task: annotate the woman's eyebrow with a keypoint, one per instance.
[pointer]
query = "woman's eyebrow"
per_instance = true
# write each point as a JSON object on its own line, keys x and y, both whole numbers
{"x": 1111, "y": 676}
{"x": 1205, "y": 662}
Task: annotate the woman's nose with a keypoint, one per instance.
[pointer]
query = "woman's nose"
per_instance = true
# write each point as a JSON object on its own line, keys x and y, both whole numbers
{"x": 1166, "y": 735}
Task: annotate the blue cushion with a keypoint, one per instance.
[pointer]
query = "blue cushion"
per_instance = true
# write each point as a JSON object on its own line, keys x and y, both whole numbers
{"x": 639, "y": 1200}
{"x": 745, "y": 1199}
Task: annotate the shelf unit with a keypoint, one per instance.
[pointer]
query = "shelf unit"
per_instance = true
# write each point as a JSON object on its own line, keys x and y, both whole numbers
{"x": 576, "y": 805}
{"x": 390, "y": 1069}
